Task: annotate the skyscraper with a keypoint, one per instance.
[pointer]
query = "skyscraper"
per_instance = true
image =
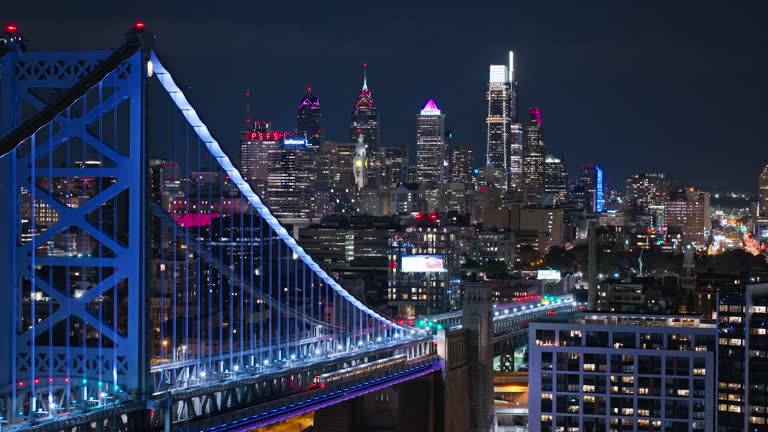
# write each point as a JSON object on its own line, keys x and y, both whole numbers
{"x": 593, "y": 183}
{"x": 461, "y": 164}
{"x": 533, "y": 158}
{"x": 308, "y": 118}
{"x": 515, "y": 157}
{"x": 360, "y": 164}
{"x": 503, "y": 134}
{"x": 365, "y": 122}
{"x": 430, "y": 143}
{"x": 555, "y": 180}
{"x": 395, "y": 165}
{"x": 763, "y": 204}
{"x": 498, "y": 118}
{"x": 254, "y": 147}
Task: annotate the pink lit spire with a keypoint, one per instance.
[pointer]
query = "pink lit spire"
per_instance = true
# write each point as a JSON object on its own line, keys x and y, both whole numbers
{"x": 430, "y": 108}
{"x": 365, "y": 77}
{"x": 535, "y": 113}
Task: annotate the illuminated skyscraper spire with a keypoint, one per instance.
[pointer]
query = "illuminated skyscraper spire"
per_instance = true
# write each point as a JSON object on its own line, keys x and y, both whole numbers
{"x": 308, "y": 118}
{"x": 365, "y": 123}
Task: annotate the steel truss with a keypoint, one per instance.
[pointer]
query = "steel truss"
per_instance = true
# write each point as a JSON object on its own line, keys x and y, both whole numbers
{"x": 74, "y": 340}
{"x": 279, "y": 388}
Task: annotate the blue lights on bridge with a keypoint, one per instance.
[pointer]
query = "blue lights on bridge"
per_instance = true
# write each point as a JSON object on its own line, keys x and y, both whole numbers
{"x": 121, "y": 288}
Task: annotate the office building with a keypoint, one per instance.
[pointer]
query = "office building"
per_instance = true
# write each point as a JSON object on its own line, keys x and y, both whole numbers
{"x": 290, "y": 177}
{"x": 533, "y": 158}
{"x": 424, "y": 268}
{"x": 395, "y": 165}
{"x": 515, "y": 163}
{"x": 647, "y": 190}
{"x": 365, "y": 123}
{"x": 621, "y": 372}
{"x": 549, "y": 221}
{"x": 688, "y": 211}
{"x": 555, "y": 181}
{"x": 503, "y": 133}
{"x": 308, "y": 118}
{"x": 498, "y": 121}
{"x": 255, "y": 145}
{"x": 430, "y": 144}
{"x": 338, "y": 239}
{"x": 340, "y": 159}
{"x": 461, "y": 164}
{"x": 360, "y": 164}
{"x": 742, "y": 377}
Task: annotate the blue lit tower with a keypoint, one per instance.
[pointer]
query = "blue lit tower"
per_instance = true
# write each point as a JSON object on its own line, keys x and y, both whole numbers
{"x": 308, "y": 118}
{"x": 365, "y": 122}
{"x": 95, "y": 315}
{"x": 71, "y": 185}
{"x": 593, "y": 183}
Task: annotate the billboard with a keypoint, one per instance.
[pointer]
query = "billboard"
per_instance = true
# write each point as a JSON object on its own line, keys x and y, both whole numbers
{"x": 548, "y": 275}
{"x": 422, "y": 263}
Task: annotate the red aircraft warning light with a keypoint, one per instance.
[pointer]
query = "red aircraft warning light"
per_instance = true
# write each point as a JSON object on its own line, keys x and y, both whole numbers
{"x": 10, "y": 28}
{"x": 139, "y": 25}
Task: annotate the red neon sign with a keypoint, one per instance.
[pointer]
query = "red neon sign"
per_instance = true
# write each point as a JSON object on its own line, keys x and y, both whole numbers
{"x": 266, "y": 136}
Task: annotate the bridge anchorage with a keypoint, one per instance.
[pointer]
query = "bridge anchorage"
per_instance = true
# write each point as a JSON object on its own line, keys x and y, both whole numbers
{"x": 148, "y": 284}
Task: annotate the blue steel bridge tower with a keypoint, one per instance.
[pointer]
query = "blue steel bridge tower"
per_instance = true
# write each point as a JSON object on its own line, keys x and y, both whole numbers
{"x": 110, "y": 301}
{"x": 73, "y": 172}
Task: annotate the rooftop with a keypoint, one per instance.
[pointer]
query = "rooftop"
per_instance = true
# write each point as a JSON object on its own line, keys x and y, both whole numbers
{"x": 629, "y": 319}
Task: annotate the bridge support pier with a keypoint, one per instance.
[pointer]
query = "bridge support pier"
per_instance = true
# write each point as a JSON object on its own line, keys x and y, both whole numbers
{"x": 406, "y": 407}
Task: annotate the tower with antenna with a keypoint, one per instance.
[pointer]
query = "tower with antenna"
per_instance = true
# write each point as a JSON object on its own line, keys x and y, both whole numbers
{"x": 365, "y": 123}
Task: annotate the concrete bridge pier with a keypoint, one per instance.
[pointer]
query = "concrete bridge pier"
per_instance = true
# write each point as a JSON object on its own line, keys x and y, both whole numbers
{"x": 478, "y": 320}
{"x": 407, "y": 407}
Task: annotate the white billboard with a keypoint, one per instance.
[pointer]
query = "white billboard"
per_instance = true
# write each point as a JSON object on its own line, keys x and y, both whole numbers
{"x": 422, "y": 264}
{"x": 548, "y": 275}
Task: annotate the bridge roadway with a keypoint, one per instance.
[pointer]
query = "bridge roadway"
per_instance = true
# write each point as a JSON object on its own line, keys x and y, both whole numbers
{"x": 272, "y": 396}
{"x": 510, "y": 318}
{"x": 312, "y": 400}
{"x": 258, "y": 398}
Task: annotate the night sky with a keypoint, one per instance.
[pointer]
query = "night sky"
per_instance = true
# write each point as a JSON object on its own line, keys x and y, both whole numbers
{"x": 678, "y": 87}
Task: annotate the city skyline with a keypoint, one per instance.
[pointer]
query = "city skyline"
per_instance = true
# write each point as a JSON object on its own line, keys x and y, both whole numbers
{"x": 156, "y": 282}
{"x": 554, "y": 69}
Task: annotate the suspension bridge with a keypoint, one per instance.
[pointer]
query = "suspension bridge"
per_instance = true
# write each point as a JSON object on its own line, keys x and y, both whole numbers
{"x": 123, "y": 311}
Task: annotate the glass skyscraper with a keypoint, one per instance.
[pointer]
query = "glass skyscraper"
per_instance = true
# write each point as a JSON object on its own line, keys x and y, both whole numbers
{"x": 504, "y": 135}
{"x": 593, "y": 182}
{"x": 365, "y": 122}
{"x": 533, "y": 158}
{"x": 308, "y": 118}
{"x": 555, "y": 180}
{"x": 430, "y": 144}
